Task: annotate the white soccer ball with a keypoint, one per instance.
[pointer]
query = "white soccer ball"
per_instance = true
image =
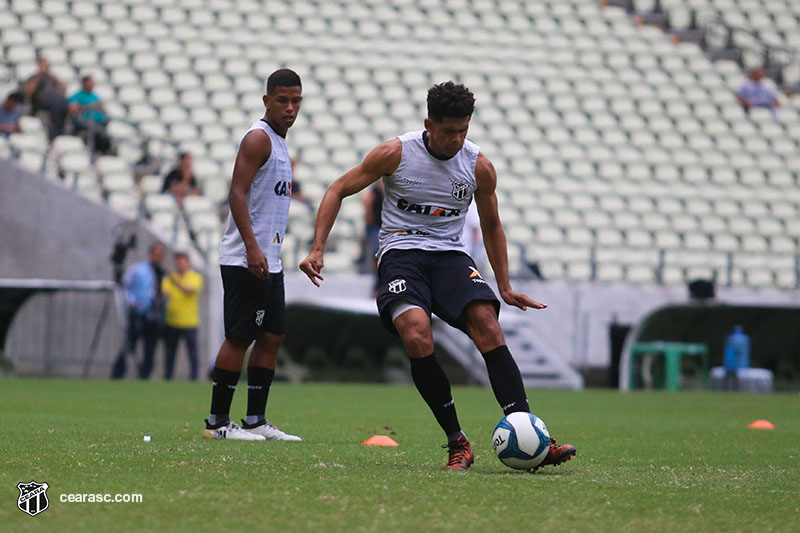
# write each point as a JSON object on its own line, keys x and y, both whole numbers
{"x": 521, "y": 441}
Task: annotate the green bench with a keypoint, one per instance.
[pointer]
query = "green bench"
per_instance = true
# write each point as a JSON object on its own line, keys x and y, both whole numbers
{"x": 672, "y": 352}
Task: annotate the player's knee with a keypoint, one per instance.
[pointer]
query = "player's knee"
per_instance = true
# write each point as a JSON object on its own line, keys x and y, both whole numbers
{"x": 418, "y": 346}
{"x": 270, "y": 341}
{"x": 417, "y": 338}
{"x": 238, "y": 345}
{"x": 416, "y": 333}
{"x": 494, "y": 333}
{"x": 490, "y": 335}
{"x": 276, "y": 338}
{"x": 485, "y": 331}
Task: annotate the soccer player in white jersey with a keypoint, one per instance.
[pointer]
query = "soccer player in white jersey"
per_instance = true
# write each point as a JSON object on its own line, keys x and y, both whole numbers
{"x": 430, "y": 178}
{"x": 250, "y": 263}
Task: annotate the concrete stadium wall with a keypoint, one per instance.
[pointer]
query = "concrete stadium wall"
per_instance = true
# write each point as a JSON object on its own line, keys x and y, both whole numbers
{"x": 48, "y": 231}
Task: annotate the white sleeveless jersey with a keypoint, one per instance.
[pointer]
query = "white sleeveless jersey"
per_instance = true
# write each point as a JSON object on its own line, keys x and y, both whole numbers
{"x": 268, "y": 204}
{"x": 426, "y": 199}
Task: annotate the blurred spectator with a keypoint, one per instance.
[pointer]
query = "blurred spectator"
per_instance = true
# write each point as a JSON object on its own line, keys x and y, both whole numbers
{"x": 755, "y": 94}
{"x": 10, "y": 112}
{"x": 180, "y": 182}
{"x": 88, "y": 117}
{"x": 147, "y": 165}
{"x": 181, "y": 289}
{"x": 297, "y": 194}
{"x": 297, "y": 188}
{"x": 145, "y": 305}
{"x": 45, "y": 92}
{"x": 373, "y": 205}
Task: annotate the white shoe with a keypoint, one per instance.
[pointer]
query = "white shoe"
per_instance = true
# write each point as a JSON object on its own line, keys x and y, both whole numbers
{"x": 270, "y": 432}
{"x": 230, "y": 432}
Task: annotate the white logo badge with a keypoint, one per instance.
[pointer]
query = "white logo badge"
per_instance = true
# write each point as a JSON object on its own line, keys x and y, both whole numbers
{"x": 259, "y": 317}
{"x": 460, "y": 190}
{"x": 397, "y": 285}
{"x": 32, "y": 497}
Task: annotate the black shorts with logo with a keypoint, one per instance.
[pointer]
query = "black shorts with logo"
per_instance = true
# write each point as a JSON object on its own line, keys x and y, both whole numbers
{"x": 439, "y": 282}
{"x": 252, "y": 305}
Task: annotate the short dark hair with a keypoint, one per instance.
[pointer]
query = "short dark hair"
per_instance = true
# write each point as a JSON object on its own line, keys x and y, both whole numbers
{"x": 283, "y": 78}
{"x": 183, "y": 155}
{"x": 450, "y": 100}
{"x": 16, "y": 97}
{"x": 85, "y": 78}
{"x": 181, "y": 254}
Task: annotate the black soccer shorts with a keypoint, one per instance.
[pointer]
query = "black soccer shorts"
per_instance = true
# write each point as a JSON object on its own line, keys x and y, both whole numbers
{"x": 252, "y": 305}
{"x": 443, "y": 283}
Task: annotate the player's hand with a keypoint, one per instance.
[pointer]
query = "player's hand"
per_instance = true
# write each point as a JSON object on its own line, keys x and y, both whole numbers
{"x": 312, "y": 267}
{"x": 257, "y": 263}
{"x": 520, "y": 300}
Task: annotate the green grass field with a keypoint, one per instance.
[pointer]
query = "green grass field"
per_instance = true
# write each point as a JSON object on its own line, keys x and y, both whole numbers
{"x": 646, "y": 461}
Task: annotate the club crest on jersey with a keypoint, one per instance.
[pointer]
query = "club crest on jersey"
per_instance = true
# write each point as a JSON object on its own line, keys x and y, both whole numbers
{"x": 32, "y": 497}
{"x": 460, "y": 190}
{"x": 397, "y": 286}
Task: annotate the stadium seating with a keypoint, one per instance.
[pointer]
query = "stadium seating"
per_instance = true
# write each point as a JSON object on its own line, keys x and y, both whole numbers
{"x": 754, "y": 24}
{"x": 622, "y": 156}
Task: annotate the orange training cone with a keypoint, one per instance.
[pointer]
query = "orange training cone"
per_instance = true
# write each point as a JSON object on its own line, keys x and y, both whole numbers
{"x": 380, "y": 440}
{"x": 761, "y": 424}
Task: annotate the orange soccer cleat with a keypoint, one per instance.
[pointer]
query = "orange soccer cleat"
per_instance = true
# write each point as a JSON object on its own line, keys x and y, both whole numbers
{"x": 557, "y": 454}
{"x": 460, "y": 454}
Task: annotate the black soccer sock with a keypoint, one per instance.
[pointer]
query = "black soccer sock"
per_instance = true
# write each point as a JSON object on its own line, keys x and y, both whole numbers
{"x": 433, "y": 386}
{"x": 506, "y": 380}
{"x": 259, "y": 380}
{"x": 223, "y": 386}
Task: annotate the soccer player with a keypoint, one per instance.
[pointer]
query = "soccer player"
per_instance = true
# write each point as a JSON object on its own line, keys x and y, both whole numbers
{"x": 430, "y": 178}
{"x": 250, "y": 262}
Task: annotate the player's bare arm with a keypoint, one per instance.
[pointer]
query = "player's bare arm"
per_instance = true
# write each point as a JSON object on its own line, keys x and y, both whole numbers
{"x": 379, "y": 162}
{"x": 253, "y": 153}
{"x": 494, "y": 238}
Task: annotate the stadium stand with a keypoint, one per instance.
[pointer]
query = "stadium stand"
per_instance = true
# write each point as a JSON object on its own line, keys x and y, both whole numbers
{"x": 756, "y": 33}
{"x": 623, "y": 156}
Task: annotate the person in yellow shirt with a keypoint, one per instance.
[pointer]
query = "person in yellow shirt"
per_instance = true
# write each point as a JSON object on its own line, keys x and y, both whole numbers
{"x": 181, "y": 289}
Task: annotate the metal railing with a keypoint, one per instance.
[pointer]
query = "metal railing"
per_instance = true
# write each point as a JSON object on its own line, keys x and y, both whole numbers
{"x": 723, "y": 275}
